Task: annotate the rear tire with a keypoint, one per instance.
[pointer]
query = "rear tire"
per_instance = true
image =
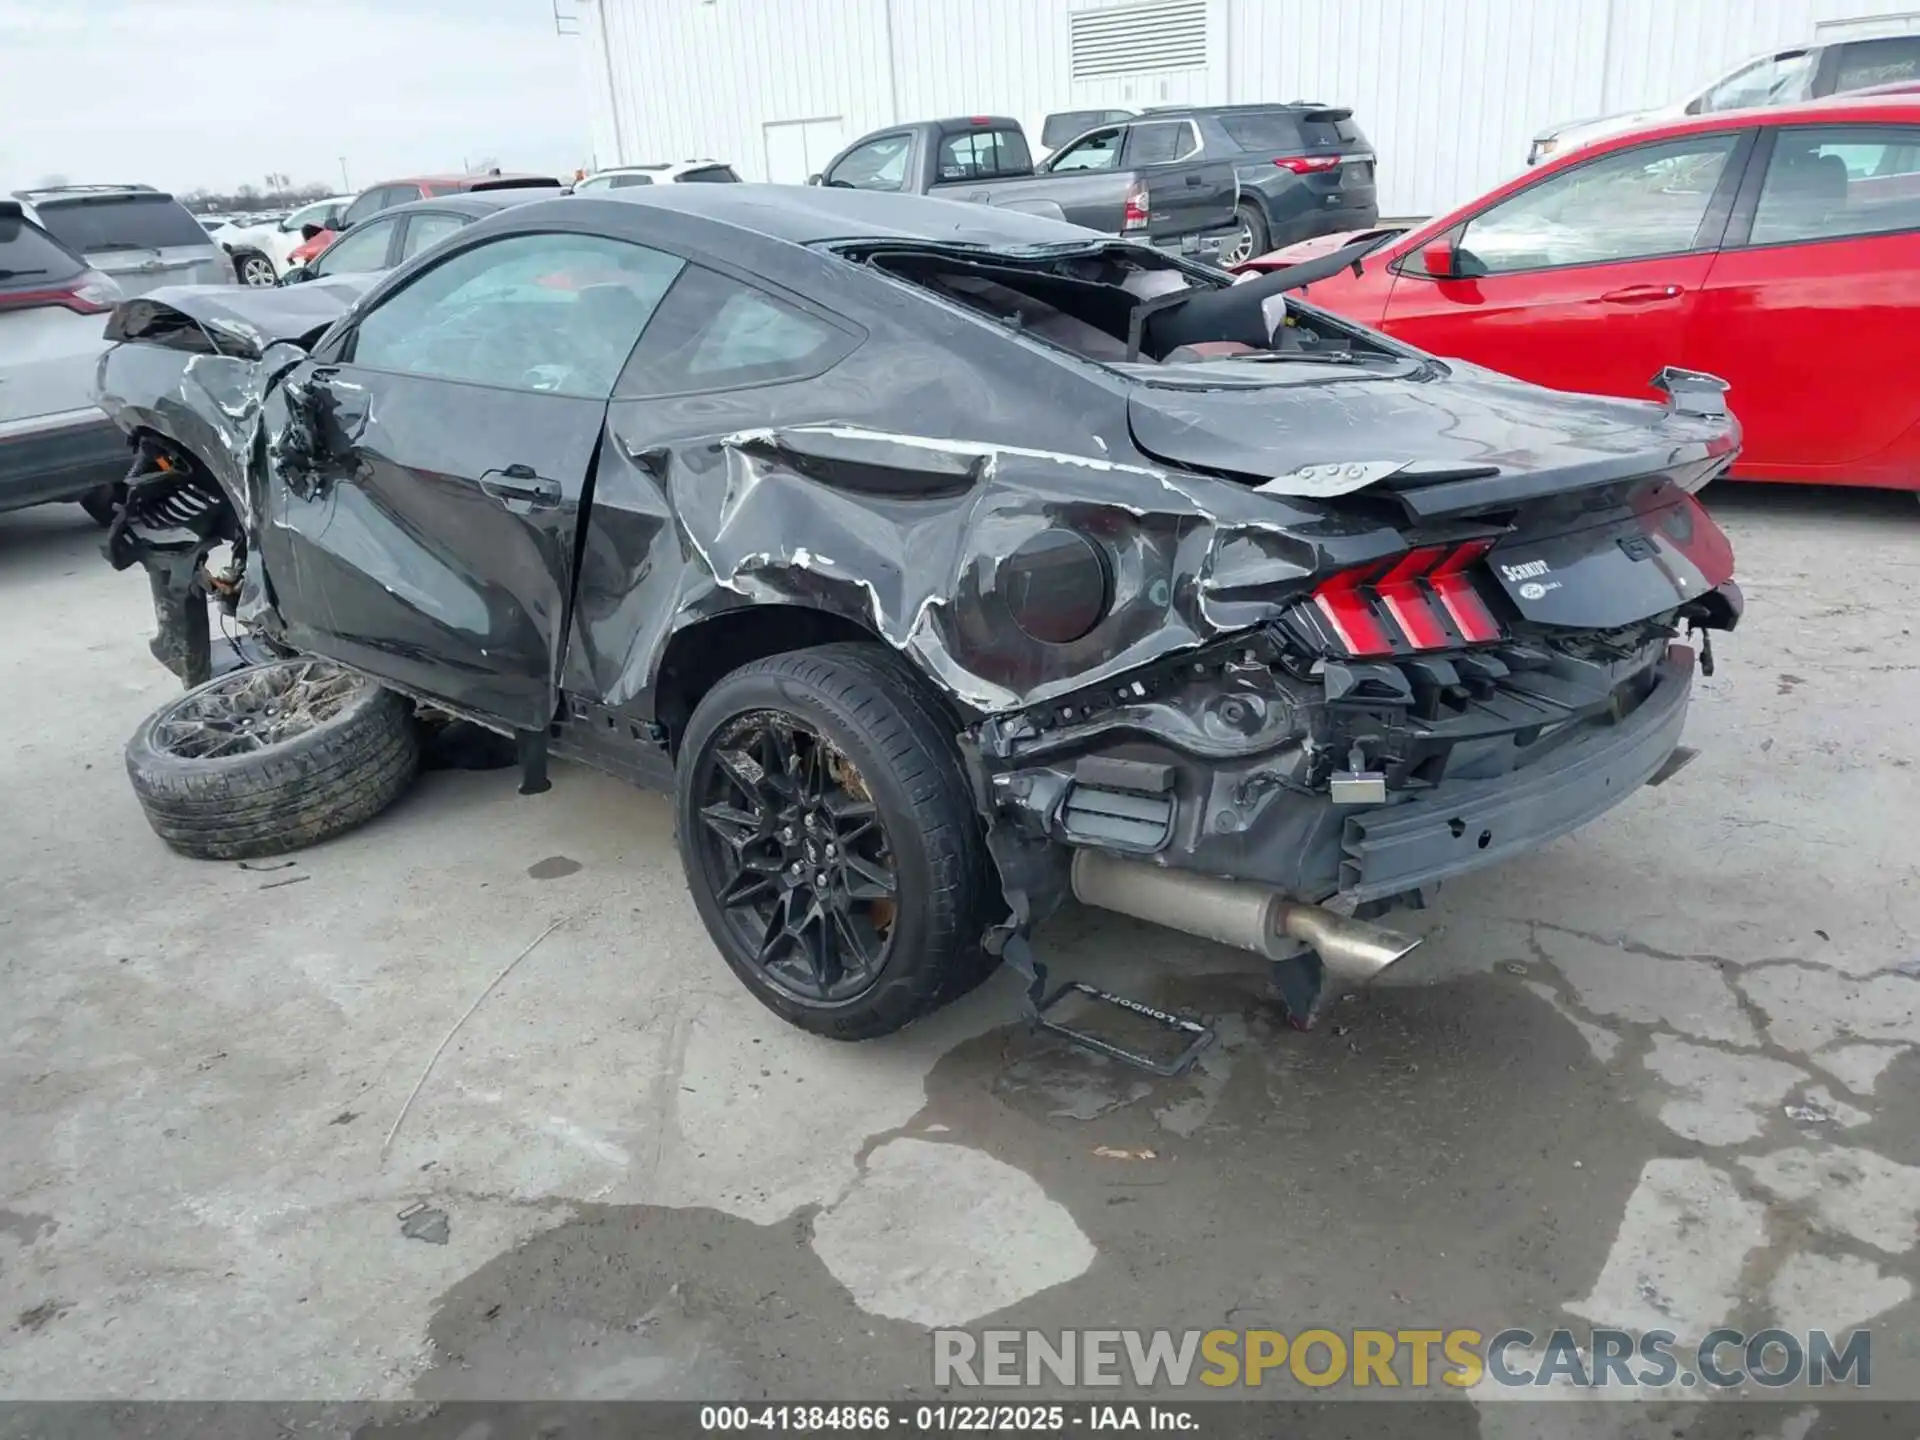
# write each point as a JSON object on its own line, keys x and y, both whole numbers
{"x": 271, "y": 758}
{"x": 250, "y": 267}
{"x": 1252, "y": 240}
{"x": 857, "y": 716}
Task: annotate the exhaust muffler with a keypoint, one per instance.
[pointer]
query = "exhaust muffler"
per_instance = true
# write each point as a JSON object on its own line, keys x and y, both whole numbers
{"x": 1236, "y": 913}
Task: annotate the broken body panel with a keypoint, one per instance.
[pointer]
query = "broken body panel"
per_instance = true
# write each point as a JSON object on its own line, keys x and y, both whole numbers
{"x": 577, "y": 569}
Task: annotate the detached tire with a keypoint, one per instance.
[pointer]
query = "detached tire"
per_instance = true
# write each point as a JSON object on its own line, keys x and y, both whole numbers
{"x": 831, "y": 843}
{"x": 271, "y": 758}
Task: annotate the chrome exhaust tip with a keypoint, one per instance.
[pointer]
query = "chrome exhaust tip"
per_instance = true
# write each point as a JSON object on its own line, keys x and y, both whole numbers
{"x": 1236, "y": 913}
{"x": 1356, "y": 951}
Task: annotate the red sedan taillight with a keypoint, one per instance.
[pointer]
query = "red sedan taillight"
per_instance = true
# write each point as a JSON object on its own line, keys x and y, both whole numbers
{"x": 1411, "y": 594}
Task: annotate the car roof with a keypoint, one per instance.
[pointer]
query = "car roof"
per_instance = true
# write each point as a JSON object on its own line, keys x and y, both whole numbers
{"x": 475, "y": 203}
{"x": 1894, "y": 109}
{"x": 654, "y": 167}
{"x": 44, "y": 195}
{"x": 813, "y": 214}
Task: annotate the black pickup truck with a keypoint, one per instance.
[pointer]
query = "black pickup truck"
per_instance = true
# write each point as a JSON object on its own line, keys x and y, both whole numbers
{"x": 1141, "y": 177}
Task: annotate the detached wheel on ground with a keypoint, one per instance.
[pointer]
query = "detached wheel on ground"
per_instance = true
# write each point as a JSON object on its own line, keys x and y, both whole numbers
{"x": 831, "y": 843}
{"x": 252, "y": 268}
{"x": 1252, "y": 239}
{"x": 271, "y": 758}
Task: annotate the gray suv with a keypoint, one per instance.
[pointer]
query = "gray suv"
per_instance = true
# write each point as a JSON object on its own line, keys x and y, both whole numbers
{"x": 142, "y": 237}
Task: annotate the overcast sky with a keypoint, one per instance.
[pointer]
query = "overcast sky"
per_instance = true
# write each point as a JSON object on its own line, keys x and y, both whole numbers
{"x": 188, "y": 93}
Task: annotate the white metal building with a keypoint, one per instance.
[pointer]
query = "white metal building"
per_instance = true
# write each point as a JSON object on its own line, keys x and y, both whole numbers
{"x": 1449, "y": 91}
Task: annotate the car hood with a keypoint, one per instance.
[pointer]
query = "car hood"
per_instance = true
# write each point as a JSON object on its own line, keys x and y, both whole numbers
{"x": 1322, "y": 430}
{"x": 243, "y": 320}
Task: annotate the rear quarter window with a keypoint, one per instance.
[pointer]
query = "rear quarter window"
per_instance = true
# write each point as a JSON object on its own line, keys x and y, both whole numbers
{"x": 145, "y": 222}
{"x": 1281, "y": 133}
{"x": 28, "y": 257}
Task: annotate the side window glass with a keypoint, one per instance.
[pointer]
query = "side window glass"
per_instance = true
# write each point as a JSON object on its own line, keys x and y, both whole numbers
{"x": 628, "y": 181}
{"x": 1646, "y": 201}
{"x": 426, "y": 230}
{"x": 1100, "y": 151}
{"x": 1160, "y": 143}
{"x": 715, "y": 333}
{"x": 1848, "y": 180}
{"x": 368, "y": 204}
{"x": 712, "y": 175}
{"x": 1877, "y": 62}
{"x": 1776, "y": 80}
{"x": 877, "y": 165}
{"x": 361, "y": 249}
{"x": 556, "y": 313}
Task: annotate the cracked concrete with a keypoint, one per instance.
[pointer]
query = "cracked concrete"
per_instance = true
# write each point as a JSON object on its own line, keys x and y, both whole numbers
{"x": 1650, "y": 1075}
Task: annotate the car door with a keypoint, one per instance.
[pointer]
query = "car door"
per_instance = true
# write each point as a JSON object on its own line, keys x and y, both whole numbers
{"x": 430, "y": 462}
{"x": 1812, "y": 301}
{"x": 1585, "y": 278}
{"x": 1185, "y": 193}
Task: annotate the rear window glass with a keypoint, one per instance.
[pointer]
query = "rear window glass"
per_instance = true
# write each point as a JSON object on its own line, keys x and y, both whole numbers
{"x": 28, "y": 257}
{"x": 146, "y": 222}
{"x": 1281, "y": 131}
{"x": 1877, "y": 62}
{"x": 513, "y": 183}
{"x": 984, "y": 154}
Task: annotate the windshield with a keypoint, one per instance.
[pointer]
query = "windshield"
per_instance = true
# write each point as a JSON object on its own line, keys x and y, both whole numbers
{"x": 123, "y": 222}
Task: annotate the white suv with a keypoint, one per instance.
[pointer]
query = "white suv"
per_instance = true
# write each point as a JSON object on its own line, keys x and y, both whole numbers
{"x": 55, "y": 443}
{"x": 263, "y": 253}
{"x": 619, "y": 177}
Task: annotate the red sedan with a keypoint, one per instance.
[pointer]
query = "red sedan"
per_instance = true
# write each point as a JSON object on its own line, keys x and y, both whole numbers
{"x": 1778, "y": 249}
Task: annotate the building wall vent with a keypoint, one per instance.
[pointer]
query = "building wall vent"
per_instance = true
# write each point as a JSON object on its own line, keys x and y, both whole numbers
{"x": 1138, "y": 38}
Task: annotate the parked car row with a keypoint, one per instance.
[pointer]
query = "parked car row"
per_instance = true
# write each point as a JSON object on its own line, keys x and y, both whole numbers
{"x": 1225, "y": 181}
{"x": 1777, "y": 248}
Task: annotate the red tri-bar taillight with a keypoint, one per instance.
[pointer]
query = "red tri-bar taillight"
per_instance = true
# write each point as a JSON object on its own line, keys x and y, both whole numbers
{"x": 1308, "y": 164}
{"x": 1455, "y": 591}
{"x": 1406, "y": 591}
{"x": 1135, "y": 214}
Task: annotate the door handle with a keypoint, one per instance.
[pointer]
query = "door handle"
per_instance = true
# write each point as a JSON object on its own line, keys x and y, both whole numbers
{"x": 1195, "y": 181}
{"x": 1641, "y": 294}
{"x": 521, "y": 489}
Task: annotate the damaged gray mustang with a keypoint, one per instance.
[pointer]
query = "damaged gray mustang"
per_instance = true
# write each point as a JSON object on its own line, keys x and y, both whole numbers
{"x": 942, "y": 561}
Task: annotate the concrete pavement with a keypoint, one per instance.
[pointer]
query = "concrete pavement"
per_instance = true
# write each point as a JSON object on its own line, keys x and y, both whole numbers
{"x": 1655, "y": 1075}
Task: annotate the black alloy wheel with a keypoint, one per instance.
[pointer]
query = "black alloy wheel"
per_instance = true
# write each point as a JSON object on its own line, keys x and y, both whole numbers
{"x": 831, "y": 842}
{"x": 796, "y": 856}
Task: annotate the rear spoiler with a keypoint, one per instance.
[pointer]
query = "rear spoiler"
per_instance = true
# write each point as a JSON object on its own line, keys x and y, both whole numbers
{"x": 1330, "y": 116}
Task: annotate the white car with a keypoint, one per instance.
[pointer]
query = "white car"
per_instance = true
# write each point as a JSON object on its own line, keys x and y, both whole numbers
{"x": 1806, "y": 72}
{"x": 619, "y": 177}
{"x": 262, "y": 253}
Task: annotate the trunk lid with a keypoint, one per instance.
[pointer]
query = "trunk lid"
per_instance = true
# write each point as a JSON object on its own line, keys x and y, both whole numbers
{"x": 1592, "y": 495}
